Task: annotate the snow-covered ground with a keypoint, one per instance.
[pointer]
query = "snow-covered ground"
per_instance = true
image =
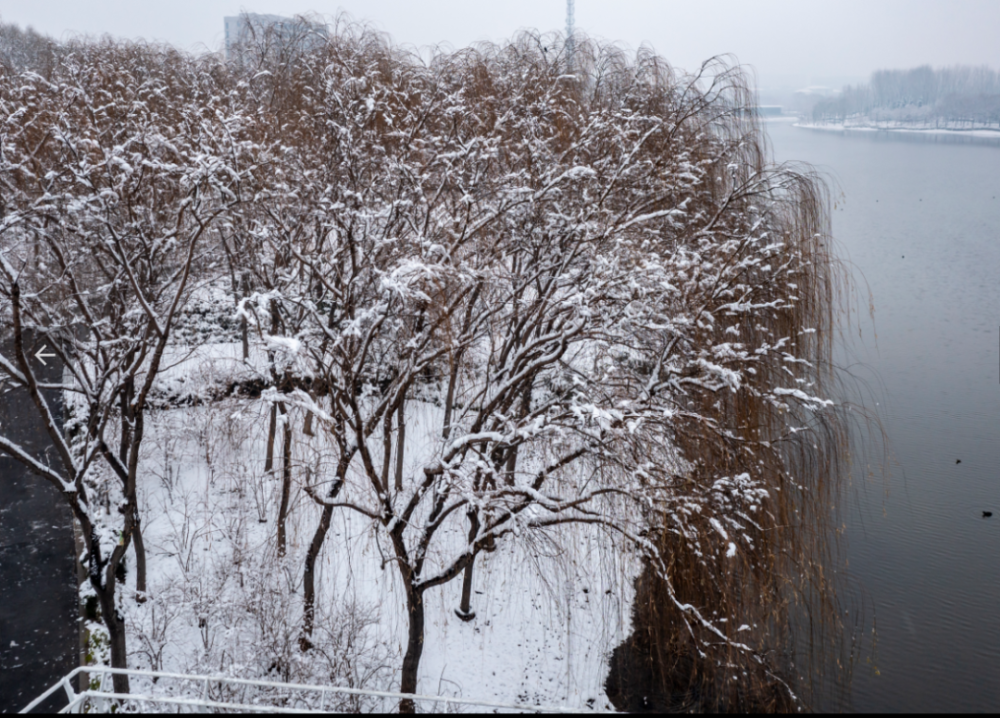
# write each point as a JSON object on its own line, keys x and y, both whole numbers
{"x": 862, "y": 126}
{"x": 549, "y": 610}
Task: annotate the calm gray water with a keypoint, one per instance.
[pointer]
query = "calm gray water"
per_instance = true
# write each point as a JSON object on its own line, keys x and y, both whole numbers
{"x": 919, "y": 221}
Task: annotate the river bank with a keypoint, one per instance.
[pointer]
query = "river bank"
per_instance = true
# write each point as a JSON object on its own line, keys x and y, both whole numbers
{"x": 897, "y": 128}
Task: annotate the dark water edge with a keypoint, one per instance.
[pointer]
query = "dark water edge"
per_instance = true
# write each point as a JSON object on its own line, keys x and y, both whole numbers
{"x": 39, "y": 627}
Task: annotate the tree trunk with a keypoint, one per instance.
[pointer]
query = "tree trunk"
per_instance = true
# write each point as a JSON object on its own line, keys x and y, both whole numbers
{"x": 245, "y": 338}
{"x": 133, "y": 527}
{"x": 309, "y": 575}
{"x": 465, "y": 611}
{"x": 116, "y": 632}
{"x": 511, "y": 466}
{"x": 400, "y": 445}
{"x": 386, "y": 450}
{"x": 414, "y": 648}
{"x": 286, "y": 478}
{"x": 272, "y": 427}
{"x": 115, "y": 625}
{"x": 449, "y": 399}
{"x": 130, "y": 441}
{"x": 309, "y": 579}
{"x": 244, "y": 331}
{"x": 140, "y": 562}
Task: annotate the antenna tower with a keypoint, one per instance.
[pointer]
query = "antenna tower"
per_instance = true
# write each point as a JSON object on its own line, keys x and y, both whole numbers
{"x": 570, "y": 21}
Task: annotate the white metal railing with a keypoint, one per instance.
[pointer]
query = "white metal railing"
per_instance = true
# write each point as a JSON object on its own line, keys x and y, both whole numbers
{"x": 101, "y": 699}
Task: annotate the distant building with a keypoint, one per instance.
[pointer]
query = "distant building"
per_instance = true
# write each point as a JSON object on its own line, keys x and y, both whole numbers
{"x": 245, "y": 28}
{"x": 770, "y": 110}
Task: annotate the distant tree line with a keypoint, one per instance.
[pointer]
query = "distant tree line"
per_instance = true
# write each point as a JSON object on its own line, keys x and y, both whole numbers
{"x": 954, "y": 97}
{"x": 22, "y": 50}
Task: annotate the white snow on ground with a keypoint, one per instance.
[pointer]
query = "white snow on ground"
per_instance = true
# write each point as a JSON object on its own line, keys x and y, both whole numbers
{"x": 549, "y": 611}
{"x": 898, "y": 127}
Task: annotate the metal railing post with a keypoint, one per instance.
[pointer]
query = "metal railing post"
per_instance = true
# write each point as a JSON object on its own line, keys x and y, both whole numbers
{"x": 105, "y": 704}
{"x": 68, "y": 687}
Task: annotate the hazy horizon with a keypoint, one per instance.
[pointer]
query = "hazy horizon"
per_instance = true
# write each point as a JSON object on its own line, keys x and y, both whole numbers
{"x": 788, "y": 44}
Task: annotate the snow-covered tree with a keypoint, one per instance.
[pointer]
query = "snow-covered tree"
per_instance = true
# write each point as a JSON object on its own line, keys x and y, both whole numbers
{"x": 520, "y": 291}
{"x": 513, "y": 298}
{"x": 114, "y": 172}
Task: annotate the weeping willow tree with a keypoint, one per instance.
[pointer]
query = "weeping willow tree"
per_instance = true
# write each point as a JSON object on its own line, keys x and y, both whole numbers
{"x": 782, "y": 643}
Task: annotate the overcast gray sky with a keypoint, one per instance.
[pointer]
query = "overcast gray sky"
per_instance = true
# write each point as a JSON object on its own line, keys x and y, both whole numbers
{"x": 787, "y": 41}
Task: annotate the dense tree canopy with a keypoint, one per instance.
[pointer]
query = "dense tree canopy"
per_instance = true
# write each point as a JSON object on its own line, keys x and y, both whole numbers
{"x": 616, "y": 311}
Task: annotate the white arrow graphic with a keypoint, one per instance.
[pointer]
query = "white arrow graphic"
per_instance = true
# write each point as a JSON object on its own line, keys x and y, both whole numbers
{"x": 39, "y": 355}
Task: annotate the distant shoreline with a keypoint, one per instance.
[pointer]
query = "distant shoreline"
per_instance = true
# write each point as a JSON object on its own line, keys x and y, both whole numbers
{"x": 939, "y": 131}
